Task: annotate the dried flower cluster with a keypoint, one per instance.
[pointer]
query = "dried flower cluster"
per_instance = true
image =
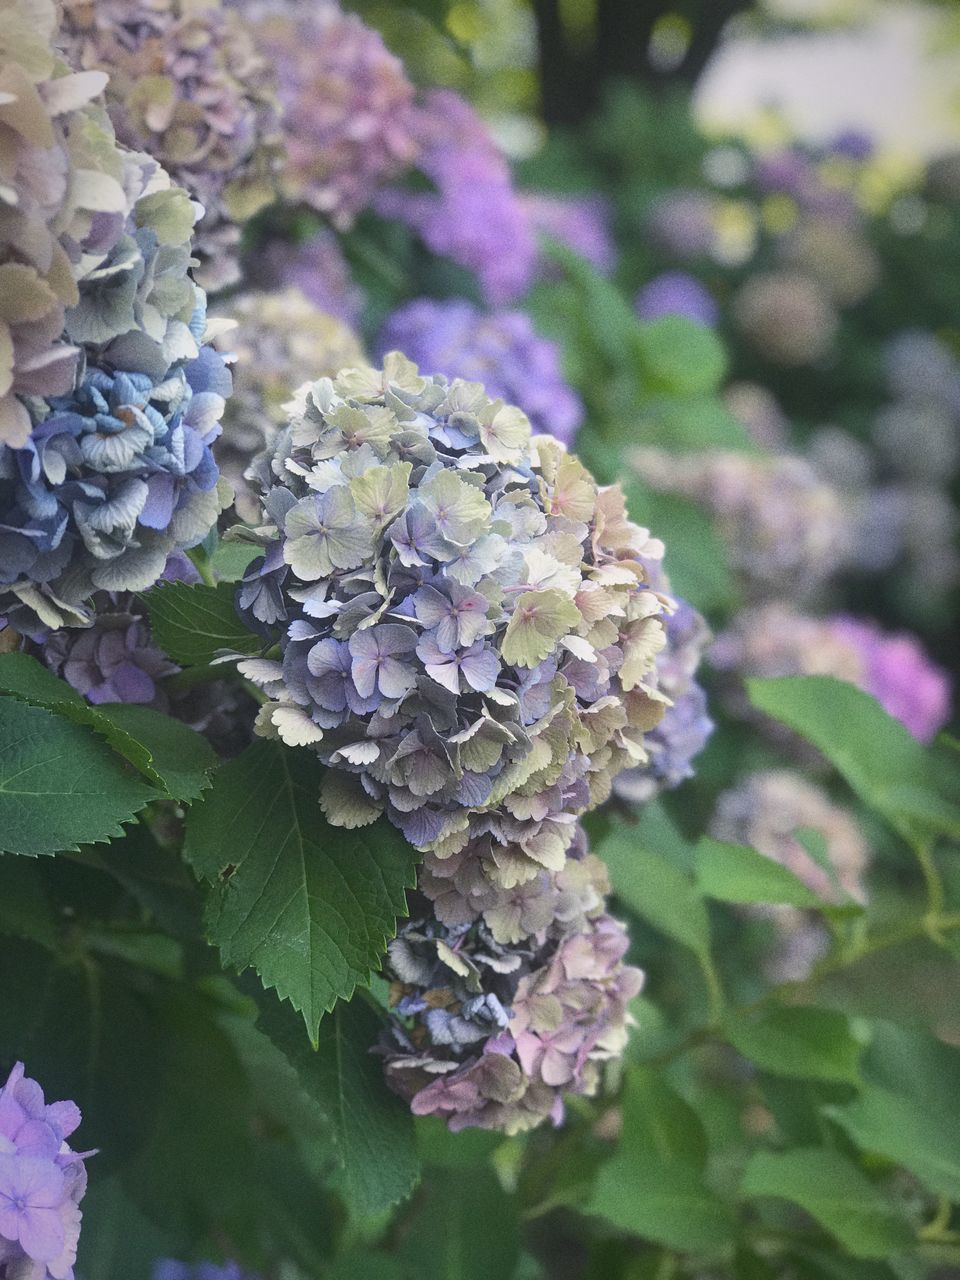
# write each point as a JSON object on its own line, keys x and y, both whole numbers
{"x": 113, "y": 401}
{"x": 189, "y": 87}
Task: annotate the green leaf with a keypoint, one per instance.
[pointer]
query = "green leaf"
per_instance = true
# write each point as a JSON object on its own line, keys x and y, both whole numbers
{"x": 194, "y": 624}
{"x": 60, "y": 785}
{"x": 891, "y": 1125}
{"x": 466, "y": 1228}
{"x": 653, "y": 1185}
{"x": 800, "y": 1042}
{"x": 655, "y": 889}
{"x": 736, "y": 873}
{"x": 881, "y": 761}
{"x": 701, "y": 422}
{"x": 373, "y": 1130}
{"x": 25, "y": 910}
{"x": 180, "y": 757}
{"x": 835, "y": 1193}
{"x": 311, "y": 907}
{"x": 169, "y": 754}
{"x": 231, "y": 559}
{"x": 681, "y": 357}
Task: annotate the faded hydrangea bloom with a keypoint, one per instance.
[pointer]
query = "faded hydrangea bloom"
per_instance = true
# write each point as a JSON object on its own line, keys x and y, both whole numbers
{"x": 502, "y": 350}
{"x": 676, "y": 293}
{"x": 468, "y": 631}
{"x": 474, "y": 215}
{"x": 277, "y": 342}
{"x": 580, "y": 223}
{"x": 122, "y": 402}
{"x": 776, "y": 640}
{"x": 349, "y": 117}
{"x": 188, "y": 87}
{"x": 779, "y": 814}
{"x": 493, "y": 1022}
{"x": 786, "y": 530}
{"x": 42, "y": 1182}
{"x": 787, "y": 316}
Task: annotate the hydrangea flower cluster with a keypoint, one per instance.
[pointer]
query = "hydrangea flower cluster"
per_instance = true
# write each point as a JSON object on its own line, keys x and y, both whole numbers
{"x": 350, "y": 122}
{"x": 785, "y": 528}
{"x": 787, "y": 317}
{"x": 676, "y": 293}
{"x": 42, "y": 1182}
{"x": 685, "y": 729}
{"x": 474, "y": 216}
{"x": 188, "y": 87}
{"x": 502, "y": 350}
{"x": 493, "y": 1022}
{"x": 767, "y": 810}
{"x": 122, "y": 402}
{"x": 776, "y": 640}
{"x": 469, "y": 632}
{"x": 277, "y": 342}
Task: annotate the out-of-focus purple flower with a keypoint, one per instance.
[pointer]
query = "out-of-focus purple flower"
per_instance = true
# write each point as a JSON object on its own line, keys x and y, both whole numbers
{"x": 855, "y": 144}
{"x": 316, "y": 267}
{"x": 786, "y": 530}
{"x": 683, "y": 223}
{"x": 760, "y": 414}
{"x": 349, "y": 118}
{"x": 42, "y": 1182}
{"x": 169, "y": 1269}
{"x": 675, "y": 293}
{"x": 776, "y": 640}
{"x": 502, "y": 350}
{"x": 581, "y": 223}
{"x": 897, "y": 672}
{"x": 474, "y": 216}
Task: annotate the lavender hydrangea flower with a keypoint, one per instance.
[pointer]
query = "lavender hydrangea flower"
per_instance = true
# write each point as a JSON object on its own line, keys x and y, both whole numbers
{"x": 786, "y": 530}
{"x": 42, "y": 1182}
{"x": 494, "y": 1022}
{"x": 474, "y": 216}
{"x": 349, "y": 116}
{"x": 188, "y": 87}
{"x": 316, "y": 266}
{"x": 776, "y": 640}
{"x": 116, "y": 470}
{"x": 502, "y": 350}
{"x": 676, "y": 293}
{"x": 416, "y": 538}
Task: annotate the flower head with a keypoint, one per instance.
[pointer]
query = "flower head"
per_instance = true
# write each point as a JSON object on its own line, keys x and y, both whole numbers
{"x": 676, "y": 293}
{"x": 107, "y": 466}
{"x": 41, "y": 1182}
{"x": 468, "y": 631}
{"x": 188, "y": 87}
{"x": 501, "y": 349}
{"x": 349, "y": 118}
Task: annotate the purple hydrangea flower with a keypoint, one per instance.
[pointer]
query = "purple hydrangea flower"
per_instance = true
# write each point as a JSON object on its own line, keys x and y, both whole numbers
{"x": 316, "y": 267}
{"x": 676, "y": 293}
{"x": 42, "y": 1182}
{"x": 502, "y": 350}
{"x": 474, "y": 216}
{"x": 582, "y": 223}
{"x": 170, "y": 1269}
{"x": 349, "y": 117}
